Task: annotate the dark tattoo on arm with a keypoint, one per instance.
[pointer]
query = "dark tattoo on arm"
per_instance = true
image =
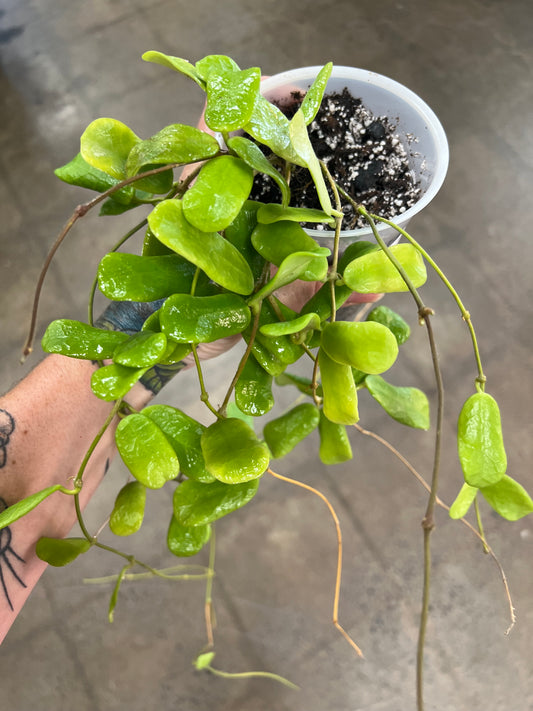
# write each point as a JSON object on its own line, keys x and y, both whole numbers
{"x": 7, "y": 427}
{"x": 8, "y": 557}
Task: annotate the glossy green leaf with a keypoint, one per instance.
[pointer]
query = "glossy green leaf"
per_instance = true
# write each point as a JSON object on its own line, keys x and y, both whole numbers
{"x": 267, "y": 360}
{"x": 113, "y": 381}
{"x": 79, "y": 340}
{"x": 253, "y": 389}
{"x": 304, "y": 385}
{"x": 217, "y": 63}
{"x": 202, "y": 319}
{"x": 272, "y": 212}
{"x": 409, "y": 406}
{"x": 105, "y": 144}
{"x": 219, "y": 259}
{"x": 111, "y": 207}
{"x": 463, "y": 501}
{"x": 297, "y": 325}
{"x": 146, "y": 451}
{"x": 374, "y": 273}
{"x": 185, "y": 541}
{"x": 60, "y": 551}
{"x": 338, "y": 391}
{"x": 480, "y": 441}
{"x": 304, "y": 149}
{"x": 218, "y": 193}
{"x": 239, "y": 235}
{"x": 232, "y": 452}
{"x": 79, "y": 172}
{"x": 152, "y": 247}
{"x": 197, "y": 504}
{"x": 393, "y": 321}
{"x": 354, "y": 251}
{"x": 255, "y": 158}
{"x": 176, "y": 63}
{"x": 284, "y": 433}
{"x": 184, "y": 434}
{"x": 334, "y": 442}
{"x": 21, "y": 508}
{"x": 293, "y": 267}
{"x": 367, "y": 346}
{"x": 130, "y": 277}
{"x": 176, "y": 143}
{"x": 128, "y": 512}
{"x": 143, "y": 350}
{"x": 282, "y": 347}
{"x": 313, "y": 97}
{"x": 230, "y": 98}
{"x": 232, "y": 410}
{"x": 270, "y": 126}
{"x": 508, "y": 498}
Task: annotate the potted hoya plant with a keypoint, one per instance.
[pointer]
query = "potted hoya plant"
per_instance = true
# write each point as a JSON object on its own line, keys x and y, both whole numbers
{"x": 309, "y": 177}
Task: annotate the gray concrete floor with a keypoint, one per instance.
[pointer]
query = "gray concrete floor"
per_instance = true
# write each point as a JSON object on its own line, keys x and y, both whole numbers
{"x": 64, "y": 63}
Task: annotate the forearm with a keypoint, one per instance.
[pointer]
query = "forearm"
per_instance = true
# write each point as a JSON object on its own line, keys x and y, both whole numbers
{"x": 47, "y": 423}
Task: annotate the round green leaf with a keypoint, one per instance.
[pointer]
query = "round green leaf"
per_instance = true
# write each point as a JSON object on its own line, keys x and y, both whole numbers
{"x": 334, "y": 442}
{"x": 409, "y": 406}
{"x": 374, "y": 273}
{"x": 217, "y": 63}
{"x": 277, "y": 241}
{"x": 79, "y": 340}
{"x": 339, "y": 391}
{"x": 113, "y": 381}
{"x": 184, "y": 433}
{"x": 105, "y": 144}
{"x": 197, "y": 504}
{"x": 142, "y": 350}
{"x": 232, "y": 452}
{"x": 392, "y": 320}
{"x": 202, "y": 319}
{"x": 480, "y": 441}
{"x": 218, "y": 193}
{"x": 367, "y": 346}
{"x": 253, "y": 390}
{"x": 79, "y": 172}
{"x": 60, "y": 551}
{"x": 231, "y": 97}
{"x": 128, "y": 513}
{"x": 185, "y": 541}
{"x": 508, "y": 498}
{"x": 220, "y": 260}
{"x": 285, "y": 432}
{"x": 146, "y": 451}
{"x": 176, "y": 63}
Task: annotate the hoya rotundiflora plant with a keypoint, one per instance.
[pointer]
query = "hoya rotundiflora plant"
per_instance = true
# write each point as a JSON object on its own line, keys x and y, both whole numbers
{"x": 212, "y": 265}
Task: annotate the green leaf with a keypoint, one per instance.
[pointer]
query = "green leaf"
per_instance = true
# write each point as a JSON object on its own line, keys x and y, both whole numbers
{"x": 218, "y": 194}
{"x": 232, "y": 452}
{"x": 185, "y": 541}
{"x": 176, "y": 63}
{"x": 60, "y": 551}
{"x": 79, "y": 340}
{"x": 508, "y": 498}
{"x": 284, "y": 433}
{"x": 114, "y": 595}
{"x": 130, "y": 277}
{"x": 464, "y": 500}
{"x": 255, "y": 158}
{"x": 79, "y": 172}
{"x": 203, "y": 661}
{"x": 392, "y": 320}
{"x": 232, "y": 410}
{"x": 219, "y": 259}
{"x": 409, "y": 406}
{"x": 105, "y": 144}
{"x": 111, "y": 207}
{"x": 334, "y": 442}
{"x": 217, "y": 63}
{"x": 367, "y": 346}
{"x": 176, "y": 143}
{"x": 253, "y": 389}
{"x": 304, "y": 149}
{"x": 304, "y": 385}
{"x": 338, "y": 390}
{"x": 128, "y": 512}
{"x": 272, "y": 212}
{"x": 203, "y": 319}
{"x": 270, "y": 126}
{"x": 142, "y": 350}
{"x": 239, "y": 235}
{"x": 297, "y": 325}
{"x": 313, "y": 98}
{"x": 230, "y": 98}
{"x": 146, "y": 451}
{"x": 113, "y": 381}
{"x": 293, "y": 267}
{"x": 374, "y": 273}
{"x": 282, "y": 347}
{"x": 183, "y": 433}
{"x": 21, "y": 508}
{"x": 197, "y": 504}
{"x": 480, "y": 441}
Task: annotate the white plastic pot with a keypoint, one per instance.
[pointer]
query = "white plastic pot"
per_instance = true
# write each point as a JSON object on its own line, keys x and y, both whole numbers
{"x": 416, "y": 124}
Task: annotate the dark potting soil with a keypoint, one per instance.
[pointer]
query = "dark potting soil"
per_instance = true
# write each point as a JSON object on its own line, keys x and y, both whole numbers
{"x": 362, "y": 152}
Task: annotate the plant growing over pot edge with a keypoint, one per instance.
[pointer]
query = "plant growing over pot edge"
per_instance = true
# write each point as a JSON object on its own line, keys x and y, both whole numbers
{"x": 206, "y": 273}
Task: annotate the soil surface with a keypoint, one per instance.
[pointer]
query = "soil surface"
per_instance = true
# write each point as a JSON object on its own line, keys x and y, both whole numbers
{"x": 362, "y": 152}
